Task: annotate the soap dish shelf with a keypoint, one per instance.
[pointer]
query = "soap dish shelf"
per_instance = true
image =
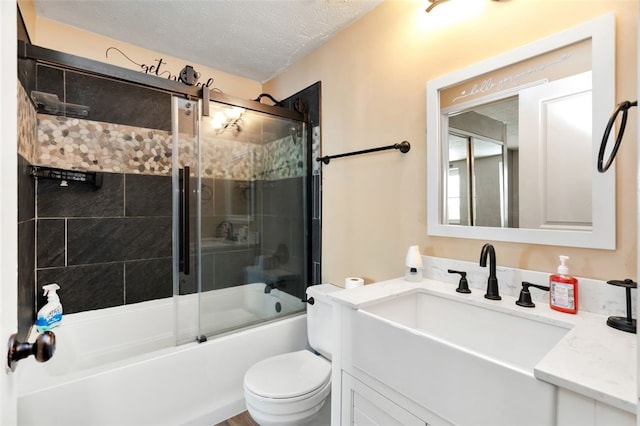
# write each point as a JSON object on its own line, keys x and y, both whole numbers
{"x": 64, "y": 176}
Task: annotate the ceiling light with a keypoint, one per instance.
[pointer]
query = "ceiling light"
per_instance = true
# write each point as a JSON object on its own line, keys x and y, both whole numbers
{"x": 434, "y": 3}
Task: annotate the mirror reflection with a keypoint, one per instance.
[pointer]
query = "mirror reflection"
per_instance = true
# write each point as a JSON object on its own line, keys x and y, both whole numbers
{"x": 484, "y": 180}
{"x": 483, "y": 148}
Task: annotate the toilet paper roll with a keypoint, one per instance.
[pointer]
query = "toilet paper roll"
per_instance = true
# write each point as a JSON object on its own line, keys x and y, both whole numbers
{"x": 353, "y": 282}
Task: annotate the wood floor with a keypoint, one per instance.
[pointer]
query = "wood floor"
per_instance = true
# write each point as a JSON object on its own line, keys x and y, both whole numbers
{"x": 242, "y": 419}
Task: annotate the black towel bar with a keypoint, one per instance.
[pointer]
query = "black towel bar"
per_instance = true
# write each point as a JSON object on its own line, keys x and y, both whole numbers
{"x": 403, "y": 146}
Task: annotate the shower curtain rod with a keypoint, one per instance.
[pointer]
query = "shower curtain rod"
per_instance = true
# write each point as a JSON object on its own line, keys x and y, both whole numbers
{"x": 403, "y": 146}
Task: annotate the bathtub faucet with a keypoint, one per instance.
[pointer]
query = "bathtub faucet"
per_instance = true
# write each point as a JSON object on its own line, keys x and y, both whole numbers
{"x": 270, "y": 286}
{"x": 492, "y": 281}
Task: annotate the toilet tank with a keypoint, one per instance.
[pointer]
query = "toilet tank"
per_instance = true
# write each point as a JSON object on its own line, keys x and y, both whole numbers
{"x": 320, "y": 318}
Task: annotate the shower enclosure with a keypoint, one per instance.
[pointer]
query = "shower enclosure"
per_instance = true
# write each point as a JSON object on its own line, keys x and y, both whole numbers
{"x": 240, "y": 185}
{"x": 150, "y": 192}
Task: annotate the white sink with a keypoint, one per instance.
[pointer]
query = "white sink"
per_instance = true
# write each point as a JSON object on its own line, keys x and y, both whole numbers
{"x": 518, "y": 341}
{"x": 466, "y": 363}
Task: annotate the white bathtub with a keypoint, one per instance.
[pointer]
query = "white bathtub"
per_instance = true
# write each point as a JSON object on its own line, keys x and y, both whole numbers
{"x": 120, "y": 366}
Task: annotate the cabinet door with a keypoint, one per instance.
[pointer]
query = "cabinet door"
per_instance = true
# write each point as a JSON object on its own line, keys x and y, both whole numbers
{"x": 579, "y": 410}
{"x": 362, "y": 406}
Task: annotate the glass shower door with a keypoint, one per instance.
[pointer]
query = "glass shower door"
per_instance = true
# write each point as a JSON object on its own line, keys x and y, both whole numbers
{"x": 254, "y": 175}
{"x": 186, "y": 217}
{"x": 241, "y": 217}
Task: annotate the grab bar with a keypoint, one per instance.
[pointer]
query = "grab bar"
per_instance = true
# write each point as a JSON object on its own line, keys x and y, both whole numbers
{"x": 622, "y": 107}
{"x": 403, "y": 146}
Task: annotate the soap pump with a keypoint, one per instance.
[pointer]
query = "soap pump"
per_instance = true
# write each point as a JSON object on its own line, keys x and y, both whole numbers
{"x": 413, "y": 261}
{"x": 50, "y": 315}
{"x": 563, "y": 292}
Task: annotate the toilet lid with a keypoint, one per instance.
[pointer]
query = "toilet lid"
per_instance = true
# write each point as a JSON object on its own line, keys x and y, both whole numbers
{"x": 288, "y": 375}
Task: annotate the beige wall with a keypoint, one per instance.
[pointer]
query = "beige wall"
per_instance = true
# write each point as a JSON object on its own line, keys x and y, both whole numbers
{"x": 68, "y": 39}
{"x": 374, "y": 76}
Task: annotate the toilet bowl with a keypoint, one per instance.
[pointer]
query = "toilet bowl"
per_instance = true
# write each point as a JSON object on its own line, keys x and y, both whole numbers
{"x": 292, "y": 388}
{"x": 288, "y": 389}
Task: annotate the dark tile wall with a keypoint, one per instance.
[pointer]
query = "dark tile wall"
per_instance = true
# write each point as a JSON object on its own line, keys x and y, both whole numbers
{"x": 109, "y": 101}
{"x": 113, "y": 246}
{"x": 308, "y": 101}
{"x": 108, "y": 246}
{"x": 226, "y": 201}
{"x": 284, "y": 234}
{"x": 26, "y": 249}
{"x": 277, "y": 219}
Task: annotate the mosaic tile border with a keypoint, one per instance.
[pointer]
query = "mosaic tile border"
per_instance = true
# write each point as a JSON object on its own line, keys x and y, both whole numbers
{"x": 27, "y": 123}
{"x": 77, "y": 144}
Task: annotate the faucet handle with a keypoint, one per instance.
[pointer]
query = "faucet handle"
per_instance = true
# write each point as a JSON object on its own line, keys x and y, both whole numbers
{"x": 463, "y": 284}
{"x": 525, "y": 296}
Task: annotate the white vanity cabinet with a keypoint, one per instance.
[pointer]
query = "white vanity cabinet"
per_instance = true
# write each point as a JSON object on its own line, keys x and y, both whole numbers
{"x": 399, "y": 358}
{"x": 579, "y": 410}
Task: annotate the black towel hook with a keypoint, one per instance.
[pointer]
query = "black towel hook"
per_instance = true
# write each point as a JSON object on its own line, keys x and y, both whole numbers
{"x": 622, "y": 107}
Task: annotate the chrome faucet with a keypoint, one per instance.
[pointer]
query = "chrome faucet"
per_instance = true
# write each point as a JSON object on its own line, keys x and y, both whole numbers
{"x": 270, "y": 286}
{"x": 492, "y": 282}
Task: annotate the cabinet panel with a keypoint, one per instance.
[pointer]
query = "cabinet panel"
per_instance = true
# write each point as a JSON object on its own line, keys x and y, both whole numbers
{"x": 608, "y": 415}
{"x": 362, "y": 406}
{"x": 578, "y": 410}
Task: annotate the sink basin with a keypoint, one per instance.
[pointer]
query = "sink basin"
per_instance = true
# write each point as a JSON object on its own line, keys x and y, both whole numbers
{"x": 464, "y": 362}
{"x": 515, "y": 340}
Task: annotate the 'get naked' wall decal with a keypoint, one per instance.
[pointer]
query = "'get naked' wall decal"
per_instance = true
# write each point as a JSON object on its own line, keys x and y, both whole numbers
{"x": 187, "y": 75}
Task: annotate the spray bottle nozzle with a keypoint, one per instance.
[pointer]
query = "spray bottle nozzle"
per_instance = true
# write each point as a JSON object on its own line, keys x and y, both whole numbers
{"x": 50, "y": 288}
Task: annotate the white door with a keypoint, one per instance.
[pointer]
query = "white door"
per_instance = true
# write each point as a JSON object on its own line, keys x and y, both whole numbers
{"x": 8, "y": 203}
{"x": 556, "y": 146}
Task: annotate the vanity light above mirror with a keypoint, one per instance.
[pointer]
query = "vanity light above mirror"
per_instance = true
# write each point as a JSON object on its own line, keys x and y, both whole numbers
{"x": 512, "y": 143}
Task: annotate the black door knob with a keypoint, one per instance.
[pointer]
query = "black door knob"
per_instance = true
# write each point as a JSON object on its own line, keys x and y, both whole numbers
{"x": 42, "y": 349}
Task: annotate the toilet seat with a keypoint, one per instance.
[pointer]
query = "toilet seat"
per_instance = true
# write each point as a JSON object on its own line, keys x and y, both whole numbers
{"x": 290, "y": 376}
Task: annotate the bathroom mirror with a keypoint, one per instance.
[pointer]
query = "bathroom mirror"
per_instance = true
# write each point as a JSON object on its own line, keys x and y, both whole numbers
{"x": 512, "y": 143}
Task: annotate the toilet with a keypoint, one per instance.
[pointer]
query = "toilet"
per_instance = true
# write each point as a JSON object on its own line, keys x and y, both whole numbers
{"x": 292, "y": 388}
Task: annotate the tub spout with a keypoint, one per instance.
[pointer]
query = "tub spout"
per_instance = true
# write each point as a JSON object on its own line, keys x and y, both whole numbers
{"x": 270, "y": 286}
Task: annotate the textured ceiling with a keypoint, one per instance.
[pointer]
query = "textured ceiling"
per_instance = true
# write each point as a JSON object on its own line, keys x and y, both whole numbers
{"x": 255, "y": 39}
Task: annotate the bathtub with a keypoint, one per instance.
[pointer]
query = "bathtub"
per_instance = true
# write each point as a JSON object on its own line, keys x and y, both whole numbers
{"x": 120, "y": 366}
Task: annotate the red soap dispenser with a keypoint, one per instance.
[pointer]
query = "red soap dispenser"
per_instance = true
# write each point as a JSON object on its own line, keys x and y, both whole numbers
{"x": 563, "y": 293}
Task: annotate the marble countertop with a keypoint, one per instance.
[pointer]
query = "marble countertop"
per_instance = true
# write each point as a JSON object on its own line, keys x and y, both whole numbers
{"x": 593, "y": 359}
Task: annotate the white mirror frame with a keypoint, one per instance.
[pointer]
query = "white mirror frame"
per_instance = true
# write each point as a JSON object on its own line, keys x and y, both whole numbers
{"x": 601, "y": 31}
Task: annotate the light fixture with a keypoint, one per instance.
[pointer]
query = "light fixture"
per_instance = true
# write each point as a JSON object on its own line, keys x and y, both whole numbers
{"x": 227, "y": 119}
{"x": 434, "y": 3}
{"x": 413, "y": 261}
